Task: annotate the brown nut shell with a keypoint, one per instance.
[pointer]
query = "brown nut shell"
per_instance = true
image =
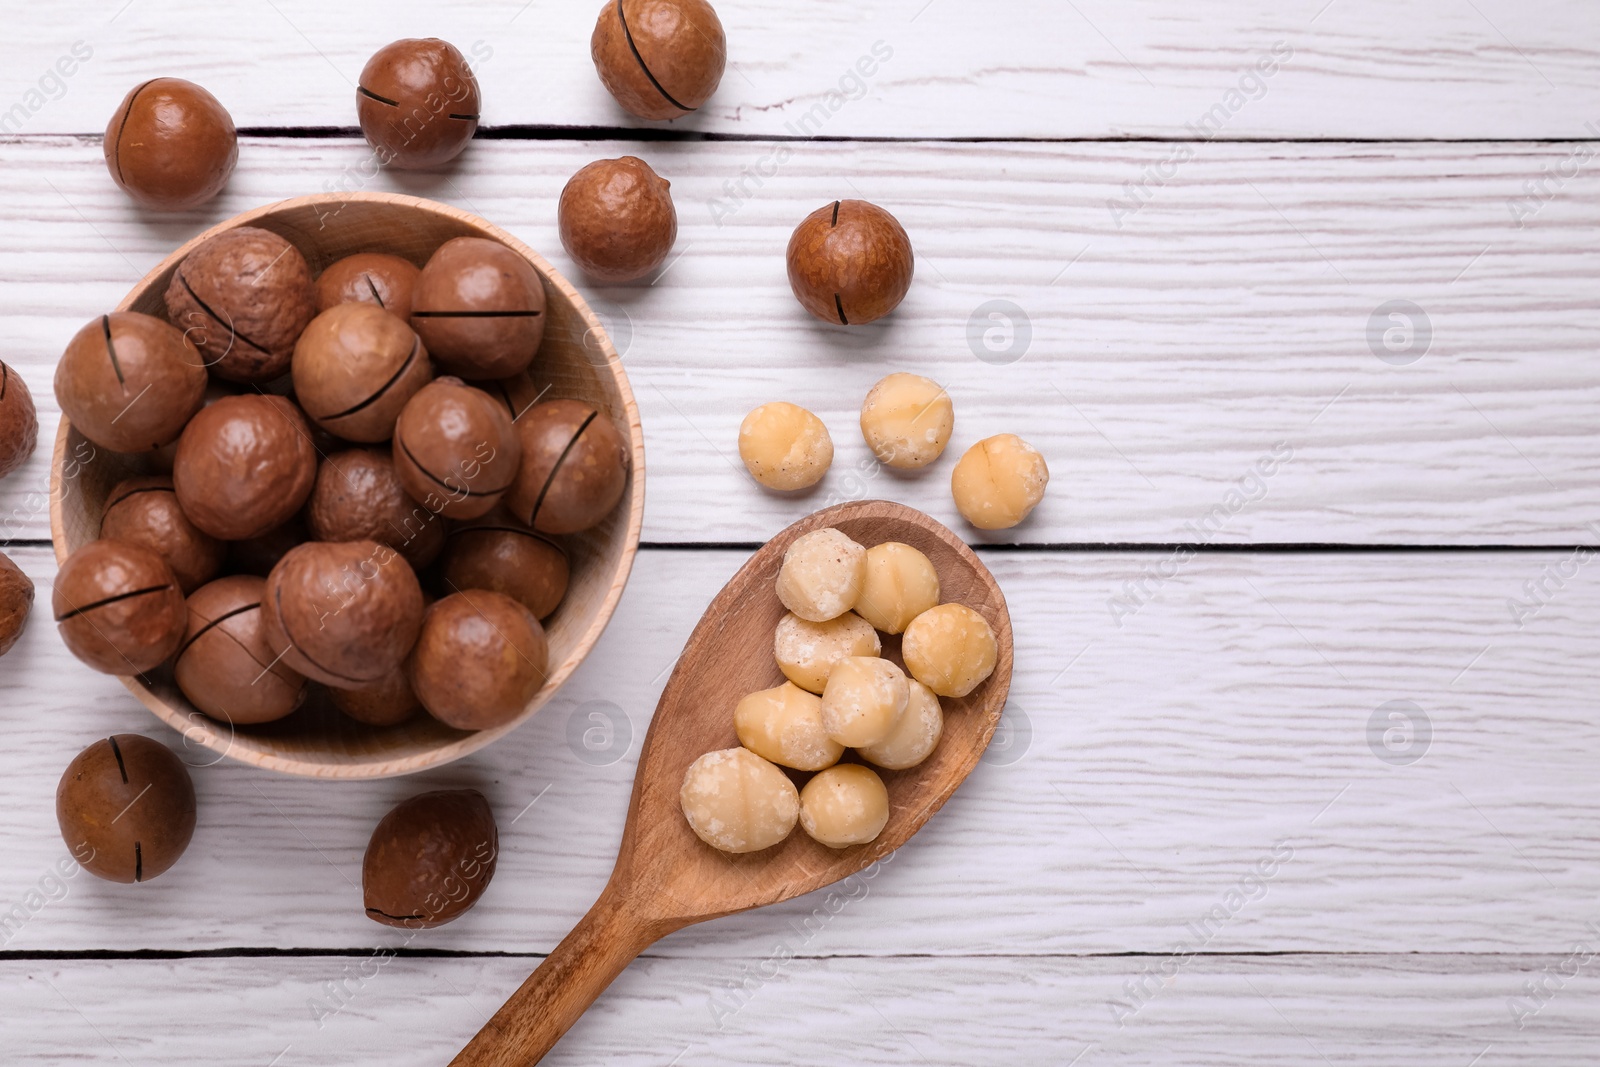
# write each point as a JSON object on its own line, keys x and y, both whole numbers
{"x": 660, "y": 59}
{"x": 145, "y": 511}
{"x": 850, "y": 262}
{"x": 355, "y": 367}
{"x": 16, "y": 602}
{"x": 387, "y": 702}
{"x": 479, "y": 660}
{"x": 358, "y": 497}
{"x": 417, "y": 103}
{"x": 118, "y": 607}
{"x": 369, "y": 278}
{"x": 224, "y": 665}
{"x": 126, "y": 808}
{"x": 171, "y": 144}
{"x": 429, "y": 859}
{"x": 130, "y": 382}
{"x": 574, "y": 467}
{"x": 479, "y": 307}
{"x": 455, "y": 449}
{"x": 342, "y": 614}
{"x": 243, "y": 297}
{"x": 245, "y": 464}
{"x": 19, "y": 421}
{"x": 617, "y": 219}
{"x": 500, "y": 554}
{"x": 258, "y": 555}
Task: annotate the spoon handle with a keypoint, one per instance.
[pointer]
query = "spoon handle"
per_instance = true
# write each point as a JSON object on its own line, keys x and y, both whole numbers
{"x": 571, "y": 978}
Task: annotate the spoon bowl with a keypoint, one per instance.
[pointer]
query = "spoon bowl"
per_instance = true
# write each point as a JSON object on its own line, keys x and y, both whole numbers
{"x": 665, "y": 877}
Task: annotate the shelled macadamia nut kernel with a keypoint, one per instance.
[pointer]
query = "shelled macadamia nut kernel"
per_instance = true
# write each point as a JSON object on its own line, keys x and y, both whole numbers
{"x": 617, "y": 220}
{"x": 660, "y": 59}
{"x": 130, "y": 382}
{"x": 355, "y": 367}
{"x": 171, "y": 144}
{"x": 417, "y": 103}
{"x": 807, "y": 651}
{"x": 784, "y": 725}
{"x": 900, "y": 583}
{"x": 430, "y": 859}
{"x": 844, "y": 805}
{"x": 118, "y": 607}
{"x": 999, "y": 482}
{"x": 822, "y": 575}
{"x": 369, "y": 278}
{"x": 145, "y": 511}
{"x": 916, "y": 736}
{"x": 907, "y": 420}
{"x": 224, "y": 665}
{"x": 850, "y": 263}
{"x": 19, "y": 421}
{"x": 863, "y": 700}
{"x": 738, "y": 802}
{"x": 950, "y": 649}
{"x": 784, "y": 446}
{"x": 126, "y": 808}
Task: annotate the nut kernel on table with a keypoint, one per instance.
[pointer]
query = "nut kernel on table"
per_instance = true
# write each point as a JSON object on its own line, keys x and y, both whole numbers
{"x": 784, "y": 725}
{"x": 784, "y": 446}
{"x": 999, "y": 482}
{"x": 863, "y": 700}
{"x": 907, "y": 420}
{"x": 738, "y": 802}
{"x": 901, "y": 583}
{"x": 844, "y": 805}
{"x": 950, "y": 649}
{"x": 916, "y": 735}
{"x": 807, "y": 651}
{"x": 822, "y": 575}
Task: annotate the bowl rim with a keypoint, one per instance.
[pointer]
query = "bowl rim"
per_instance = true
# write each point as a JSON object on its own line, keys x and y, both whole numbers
{"x": 192, "y": 724}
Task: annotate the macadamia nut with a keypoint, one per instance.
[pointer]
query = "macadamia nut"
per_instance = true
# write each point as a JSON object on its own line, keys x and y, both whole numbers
{"x": 999, "y": 482}
{"x": 844, "y": 805}
{"x": 916, "y": 736}
{"x": 864, "y": 700}
{"x": 950, "y": 649}
{"x": 822, "y": 575}
{"x": 906, "y": 421}
{"x": 900, "y": 585}
{"x": 738, "y": 802}
{"x": 784, "y": 725}
{"x": 807, "y": 651}
{"x": 784, "y": 446}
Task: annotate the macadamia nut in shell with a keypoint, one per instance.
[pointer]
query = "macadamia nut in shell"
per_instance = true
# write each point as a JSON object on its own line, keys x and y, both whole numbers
{"x": 118, "y": 607}
{"x": 130, "y": 382}
{"x": 245, "y": 464}
{"x": 126, "y": 808}
{"x": 617, "y": 219}
{"x": 170, "y": 144}
{"x": 660, "y": 59}
{"x": 850, "y": 263}
{"x": 19, "y": 421}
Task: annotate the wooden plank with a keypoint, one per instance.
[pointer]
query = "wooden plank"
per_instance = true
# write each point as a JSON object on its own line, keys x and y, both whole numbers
{"x": 1427, "y": 1011}
{"x": 1239, "y": 719}
{"x": 1032, "y": 68}
{"x": 1174, "y": 350}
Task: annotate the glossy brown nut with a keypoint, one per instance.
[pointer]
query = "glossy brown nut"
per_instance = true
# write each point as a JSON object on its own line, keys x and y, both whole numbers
{"x": 369, "y": 278}
{"x": 358, "y": 497}
{"x": 243, "y": 297}
{"x": 19, "y": 422}
{"x": 850, "y": 263}
{"x": 118, "y": 607}
{"x": 387, "y": 702}
{"x": 130, "y": 382}
{"x": 258, "y": 555}
{"x": 517, "y": 394}
{"x": 417, "y": 103}
{"x": 479, "y": 307}
{"x": 16, "y": 601}
{"x": 429, "y": 859}
{"x": 617, "y": 219}
{"x": 354, "y": 369}
{"x": 501, "y": 555}
{"x": 574, "y": 467}
{"x": 342, "y": 614}
{"x": 224, "y": 665}
{"x": 171, "y": 145}
{"x": 480, "y": 658}
{"x": 455, "y": 449}
{"x": 660, "y": 58}
{"x": 244, "y": 465}
{"x": 145, "y": 511}
{"x": 126, "y": 808}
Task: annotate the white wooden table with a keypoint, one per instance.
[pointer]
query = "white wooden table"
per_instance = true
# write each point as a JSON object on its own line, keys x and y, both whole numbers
{"x": 1205, "y": 837}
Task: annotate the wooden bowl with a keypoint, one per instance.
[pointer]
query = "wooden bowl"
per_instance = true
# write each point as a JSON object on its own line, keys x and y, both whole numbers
{"x": 575, "y": 360}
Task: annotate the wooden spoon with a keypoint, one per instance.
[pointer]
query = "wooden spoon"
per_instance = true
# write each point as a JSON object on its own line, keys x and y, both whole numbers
{"x": 666, "y": 878}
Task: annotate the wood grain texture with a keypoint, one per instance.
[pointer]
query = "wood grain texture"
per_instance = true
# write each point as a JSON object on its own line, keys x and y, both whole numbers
{"x": 1142, "y": 775}
{"x": 1234, "y": 314}
{"x": 1026, "y": 68}
{"x": 1386, "y": 1011}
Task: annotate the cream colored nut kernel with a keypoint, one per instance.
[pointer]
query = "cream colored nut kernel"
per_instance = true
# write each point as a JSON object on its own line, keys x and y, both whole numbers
{"x": 844, "y": 805}
{"x": 863, "y": 700}
{"x": 807, "y": 651}
{"x": 950, "y": 649}
{"x": 784, "y": 446}
{"x": 822, "y": 575}
{"x": 737, "y": 801}
{"x": 915, "y": 738}
{"x": 906, "y": 421}
{"x": 900, "y": 585}
{"x": 999, "y": 482}
{"x": 784, "y": 725}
